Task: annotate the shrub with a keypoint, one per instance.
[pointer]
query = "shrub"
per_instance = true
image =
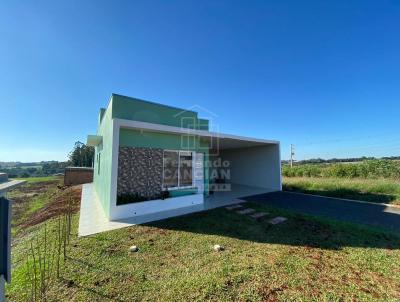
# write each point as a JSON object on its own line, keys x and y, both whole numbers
{"x": 127, "y": 198}
{"x": 164, "y": 194}
{"x": 130, "y": 198}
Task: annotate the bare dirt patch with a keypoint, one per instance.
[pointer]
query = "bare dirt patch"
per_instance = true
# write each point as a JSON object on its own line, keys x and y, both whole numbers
{"x": 22, "y": 196}
{"x": 57, "y": 206}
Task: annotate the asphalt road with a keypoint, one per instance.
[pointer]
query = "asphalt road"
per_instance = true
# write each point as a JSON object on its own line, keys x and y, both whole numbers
{"x": 335, "y": 208}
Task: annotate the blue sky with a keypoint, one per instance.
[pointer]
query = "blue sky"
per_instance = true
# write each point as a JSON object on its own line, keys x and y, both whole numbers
{"x": 323, "y": 75}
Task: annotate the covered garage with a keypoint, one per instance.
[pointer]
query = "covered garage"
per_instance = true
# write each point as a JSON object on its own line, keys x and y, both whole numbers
{"x": 240, "y": 166}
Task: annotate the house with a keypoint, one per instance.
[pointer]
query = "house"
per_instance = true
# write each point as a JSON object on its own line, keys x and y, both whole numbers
{"x": 153, "y": 158}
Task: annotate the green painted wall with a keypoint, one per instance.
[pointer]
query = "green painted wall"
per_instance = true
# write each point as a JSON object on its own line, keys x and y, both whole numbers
{"x": 101, "y": 114}
{"x": 136, "y": 138}
{"x": 138, "y": 110}
{"x": 102, "y": 181}
{"x": 203, "y": 124}
{"x": 123, "y": 107}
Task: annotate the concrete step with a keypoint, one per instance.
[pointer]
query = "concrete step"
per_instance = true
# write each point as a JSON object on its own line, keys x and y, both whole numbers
{"x": 246, "y": 211}
{"x": 259, "y": 215}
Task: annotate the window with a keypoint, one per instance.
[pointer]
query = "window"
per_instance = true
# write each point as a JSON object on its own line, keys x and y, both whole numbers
{"x": 178, "y": 169}
{"x": 171, "y": 171}
{"x": 98, "y": 163}
{"x": 185, "y": 168}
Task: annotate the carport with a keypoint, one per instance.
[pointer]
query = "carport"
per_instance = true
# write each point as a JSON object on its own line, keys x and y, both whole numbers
{"x": 241, "y": 166}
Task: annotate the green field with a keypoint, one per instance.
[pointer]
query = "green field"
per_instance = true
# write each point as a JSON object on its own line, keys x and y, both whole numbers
{"x": 39, "y": 169}
{"x": 370, "y": 180}
{"x": 372, "y": 190}
{"x": 302, "y": 259}
{"x": 368, "y": 169}
{"x": 40, "y": 179}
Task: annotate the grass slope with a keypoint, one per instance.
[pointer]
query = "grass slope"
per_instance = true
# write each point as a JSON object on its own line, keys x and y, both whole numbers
{"x": 373, "y": 190}
{"x": 35, "y": 201}
{"x": 303, "y": 259}
{"x": 40, "y": 179}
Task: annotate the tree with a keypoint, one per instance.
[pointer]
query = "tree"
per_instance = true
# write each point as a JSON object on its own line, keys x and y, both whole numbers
{"x": 82, "y": 155}
{"x": 54, "y": 167}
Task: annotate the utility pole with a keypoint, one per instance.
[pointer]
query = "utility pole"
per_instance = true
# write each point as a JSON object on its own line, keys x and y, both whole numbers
{"x": 291, "y": 155}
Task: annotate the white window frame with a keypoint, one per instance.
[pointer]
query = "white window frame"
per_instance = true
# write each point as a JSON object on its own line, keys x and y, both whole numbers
{"x": 179, "y": 170}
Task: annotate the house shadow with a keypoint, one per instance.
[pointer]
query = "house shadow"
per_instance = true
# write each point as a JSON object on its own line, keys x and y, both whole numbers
{"x": 298, "y": 230}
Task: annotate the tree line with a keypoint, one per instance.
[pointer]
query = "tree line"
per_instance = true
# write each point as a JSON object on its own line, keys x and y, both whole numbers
{"x": 338, "y": 160}
{"x": 80, "y": 156}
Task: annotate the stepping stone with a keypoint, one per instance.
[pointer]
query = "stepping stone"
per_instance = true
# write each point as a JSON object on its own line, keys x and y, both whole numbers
{"x": 277, "y": 220}
{"x": 218, "y": 248}
{"x": 133, "y": 249}
{"x": 246, "y": 211}
{"x": 234, "y": 207}
{"x": 258, "y": 215}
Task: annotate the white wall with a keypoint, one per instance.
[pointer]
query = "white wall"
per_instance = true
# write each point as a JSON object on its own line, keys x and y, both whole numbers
{"x": 255, "y": 166}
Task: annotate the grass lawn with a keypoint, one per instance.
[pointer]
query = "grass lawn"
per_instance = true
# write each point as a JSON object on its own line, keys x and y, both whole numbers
{"x": 302, "y": 259}
{"x": 373, "y": 190}
{"x": 40, "y": 179}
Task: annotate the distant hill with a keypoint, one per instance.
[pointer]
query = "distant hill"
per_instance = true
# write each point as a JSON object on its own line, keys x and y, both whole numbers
{"x": 32, "y": 169}
{"x": 338, "y": 160}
